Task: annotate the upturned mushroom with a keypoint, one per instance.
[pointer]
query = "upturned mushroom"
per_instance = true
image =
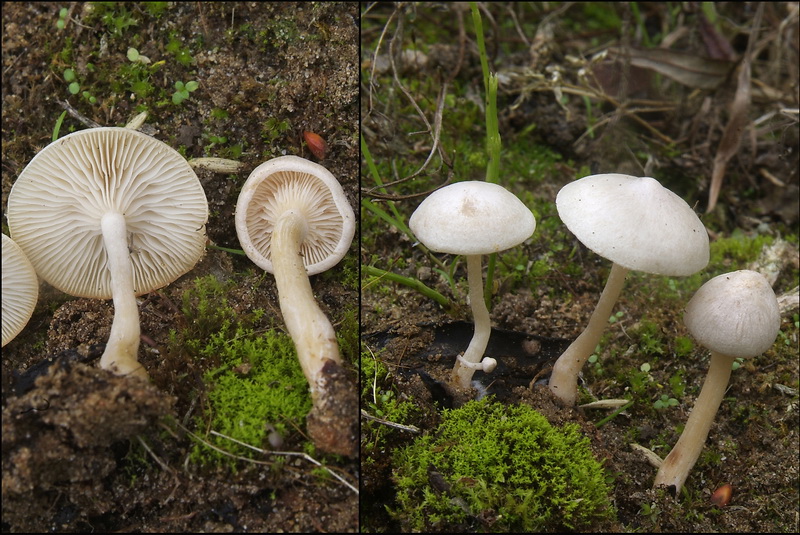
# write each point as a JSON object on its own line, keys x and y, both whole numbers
{"x": 472, "y": 218}
{"x": 637, "y": 224}
{"x": 293, "y": 220}
{"x": 110, "y": 213}
{"x": 20, "y": 289}
{"x": 734, "y": 315}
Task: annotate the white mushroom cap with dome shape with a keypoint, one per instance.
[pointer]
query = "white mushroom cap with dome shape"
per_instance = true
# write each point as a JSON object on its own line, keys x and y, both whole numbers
{"x": 20, "y": 289}
{"x": 735, "y": 315}
{"x": 110, "y": 212}
{"x": 472, "y": 218}
{"x": 293, "y": 220}
{"x": 637, "y": 224}
{"x": 293, "y": 182}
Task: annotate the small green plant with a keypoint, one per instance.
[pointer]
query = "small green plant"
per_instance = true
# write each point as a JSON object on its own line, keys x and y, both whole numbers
{"x": 182, "y": 91}
{"x": 274, "y": 129}
{"x": 616, "y": 317}
{"x": 665, "y": 401}
{"x": 62, "y": 18}
{"x": 71, "y": 79}
{"x": 504, "y": 464}
{"x": 181, "y": 53}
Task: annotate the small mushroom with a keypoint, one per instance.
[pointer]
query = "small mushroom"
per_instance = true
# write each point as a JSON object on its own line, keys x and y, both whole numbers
{"x": 637, "y": 224}
{"x": 293, "y": 220}
{"x": 20, "y": 289}
{"x": 735, "y": 315}
{"x": 472, "y": 218}
{"x": 110, "y": 213}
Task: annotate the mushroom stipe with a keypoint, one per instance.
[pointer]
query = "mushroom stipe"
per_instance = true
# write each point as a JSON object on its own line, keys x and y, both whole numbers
{"x": 293, "y": 220}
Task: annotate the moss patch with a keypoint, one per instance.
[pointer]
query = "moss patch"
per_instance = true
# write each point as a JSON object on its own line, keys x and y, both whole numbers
{"x": 503, "y": 466}
{"x": 258, "y": 384}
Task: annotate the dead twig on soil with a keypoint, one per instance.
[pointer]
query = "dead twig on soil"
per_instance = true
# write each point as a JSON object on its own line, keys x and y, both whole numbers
{"x": 409, "y": 428}
{"x": 302, "y": 455}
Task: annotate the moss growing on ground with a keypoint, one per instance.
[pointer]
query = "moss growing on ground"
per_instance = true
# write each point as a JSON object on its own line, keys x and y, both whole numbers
{"x": 258, "y": 384}
{"x": 502, "y": 469}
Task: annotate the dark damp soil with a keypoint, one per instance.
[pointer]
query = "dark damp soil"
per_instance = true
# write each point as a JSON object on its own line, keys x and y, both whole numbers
{"x": 536, "y": 309}
{"x": 87, "y": 451}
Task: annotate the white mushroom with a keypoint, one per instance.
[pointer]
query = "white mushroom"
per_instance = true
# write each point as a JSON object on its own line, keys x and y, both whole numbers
{"x": 110, "y": 213}
{"x": 735, "y": 315}
{"x": 293, "y": 220}
{"x": 472, "y": 218}
{"x": 637, "y": 224}
{"x": 20, "y": 289}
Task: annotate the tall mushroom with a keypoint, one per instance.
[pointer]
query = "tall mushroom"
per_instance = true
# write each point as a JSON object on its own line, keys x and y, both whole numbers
{"x": 735, "y": 315}
{"x": 293, "y": 220}
{"x": 110, "y": 213}
{"x": 472, "y": 218}
{"x": 637, "y": 224}
{"x": 20, "y": 289}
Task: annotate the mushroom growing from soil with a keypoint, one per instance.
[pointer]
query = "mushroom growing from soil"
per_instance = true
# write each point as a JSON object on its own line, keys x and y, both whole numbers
{"x": 20, "y": 289}
{"x": 293, "y": 220}
{"x": 734, "y": 315}
{"x": 637, "y": 224}
{"x": 472, "y": 218}
{"x": 110, "y": 213}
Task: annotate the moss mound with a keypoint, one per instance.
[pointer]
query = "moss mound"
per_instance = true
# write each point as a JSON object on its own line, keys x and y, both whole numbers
{"x": 492, "y": 467}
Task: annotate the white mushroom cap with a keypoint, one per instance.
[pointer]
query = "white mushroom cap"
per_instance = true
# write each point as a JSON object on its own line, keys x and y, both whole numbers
{"x": 735, "y": 314}
{"x": 58, "y": 201}
{"x": 635, "y": 222}
{"x": 472, "y": 218}
{"x": 20, "y": 289}
{"x": 294, "y": 183}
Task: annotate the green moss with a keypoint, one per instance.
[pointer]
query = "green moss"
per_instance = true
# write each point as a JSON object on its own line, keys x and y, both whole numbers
{"x": 259, "y": 382}
{"x": 379, "y": 399}
{"x": 504, "y": 464}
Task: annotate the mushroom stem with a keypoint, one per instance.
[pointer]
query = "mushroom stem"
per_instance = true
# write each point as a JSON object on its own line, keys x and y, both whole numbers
{"x": 676, "y": 466}
{"x": 462, "y": 375}
{"x": 311, "y": 331}
{"x": 564, "y": 378}
{"x": 120, "y": 356}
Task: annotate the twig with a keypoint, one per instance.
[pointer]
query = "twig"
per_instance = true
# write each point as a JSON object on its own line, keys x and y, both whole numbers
{"x": 409, "y": 428}
{"x": 77, "y": 115}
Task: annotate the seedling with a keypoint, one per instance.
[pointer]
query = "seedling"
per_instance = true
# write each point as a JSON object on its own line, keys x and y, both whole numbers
{"x": 665, "y": 401}
{"x": 183, "y": 90}
{"x": 62, "y": 18}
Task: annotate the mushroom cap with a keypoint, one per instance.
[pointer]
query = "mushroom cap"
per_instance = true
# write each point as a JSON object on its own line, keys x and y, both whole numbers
{"x": 58, "y": 201}
{"x": 735, "y": 314}
{"x": 636, "y": 223}
{"x": 20, "y": 289}
{"x": 472, "y": 218}
{"x": 294, "y": 182}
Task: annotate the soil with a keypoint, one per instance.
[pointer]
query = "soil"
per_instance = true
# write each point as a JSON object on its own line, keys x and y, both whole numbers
{"x": 753, "y": 444}
{"x": 267, "y": 72}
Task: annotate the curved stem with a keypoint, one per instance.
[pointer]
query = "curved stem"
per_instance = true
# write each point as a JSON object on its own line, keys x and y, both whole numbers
{"x": 121, "y": 354}
{"x": 462, "y": 375}
{"x": 684, "y": 454}
{"x": 564, "y": 378}
{"x": 311, "y": 331}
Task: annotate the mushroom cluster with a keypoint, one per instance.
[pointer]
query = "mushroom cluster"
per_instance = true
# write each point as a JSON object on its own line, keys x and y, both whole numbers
{"x": 293, "y": 220}
{"x": 637, "y": 224}
{"x": 472, "y": 218}
{"x": 110, "y": 213}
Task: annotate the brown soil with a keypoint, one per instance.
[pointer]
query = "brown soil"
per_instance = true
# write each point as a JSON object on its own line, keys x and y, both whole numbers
{"x": 68, "y": 435}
